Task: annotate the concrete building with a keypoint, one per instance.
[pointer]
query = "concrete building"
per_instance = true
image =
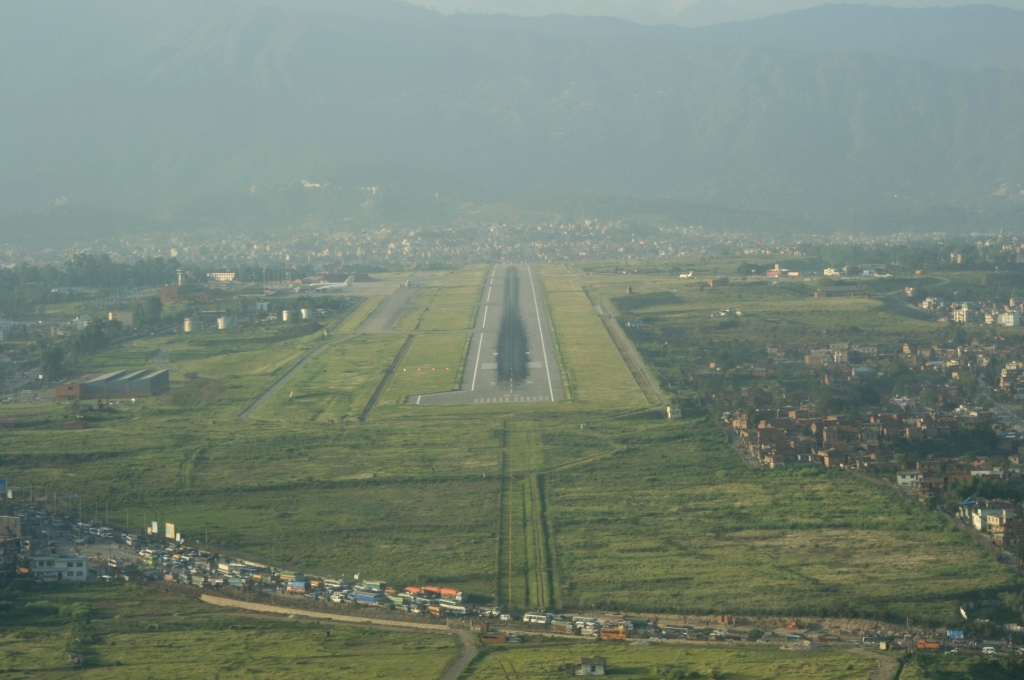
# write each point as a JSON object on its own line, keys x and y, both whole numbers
{"x": 51, "y": 567}
{"x": 223, "y": 276}
{"x": 117, "y": 385}
{"x": 589, "y": 666}
{"x": 126, "y": 318}
{"x": 1010, "y": 319}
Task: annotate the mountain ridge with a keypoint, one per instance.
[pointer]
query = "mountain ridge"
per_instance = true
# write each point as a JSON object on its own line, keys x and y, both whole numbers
{"x": 153, "y": 107}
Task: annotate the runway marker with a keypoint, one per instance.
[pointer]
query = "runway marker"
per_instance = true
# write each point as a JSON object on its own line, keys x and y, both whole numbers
{"x": 477, "y": 367}
{"x": 418, "y": 399}
{"x": 540, "y": 331}
{"x": 484, "y": 324}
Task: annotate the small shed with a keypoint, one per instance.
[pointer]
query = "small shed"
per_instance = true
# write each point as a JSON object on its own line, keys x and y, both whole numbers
{"x": 589, "y": 666}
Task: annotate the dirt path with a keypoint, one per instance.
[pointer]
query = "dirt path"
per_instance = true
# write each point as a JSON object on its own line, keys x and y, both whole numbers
{"x": 469, "y": 650}
{"x": 888, "y": 668}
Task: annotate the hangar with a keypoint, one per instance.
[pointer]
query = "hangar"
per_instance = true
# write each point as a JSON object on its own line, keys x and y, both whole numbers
{"x": 116, "y": 385}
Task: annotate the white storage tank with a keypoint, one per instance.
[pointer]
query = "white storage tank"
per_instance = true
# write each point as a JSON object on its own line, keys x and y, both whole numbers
{"x": 306, "y": 314}
{"x": 188, "y": 325}
{"x": 286, "y": 315}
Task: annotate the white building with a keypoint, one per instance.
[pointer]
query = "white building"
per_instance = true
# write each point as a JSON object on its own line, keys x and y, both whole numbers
{"x": 59, "y": 567}
{"x": 1010, "y": 319}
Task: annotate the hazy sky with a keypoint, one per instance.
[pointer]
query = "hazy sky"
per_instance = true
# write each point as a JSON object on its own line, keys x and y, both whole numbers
{"x": 685, "y": 12}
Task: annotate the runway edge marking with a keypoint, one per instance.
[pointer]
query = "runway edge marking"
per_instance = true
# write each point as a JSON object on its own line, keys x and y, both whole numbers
{"x": 540, "y": 331}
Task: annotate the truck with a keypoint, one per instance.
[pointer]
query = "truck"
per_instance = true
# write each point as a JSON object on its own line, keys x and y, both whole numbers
{"x": 369, "y": 599}
{"x": 617, "y": 633}
{"x": 927, "y": 645}
{"x": 298, "y": 587}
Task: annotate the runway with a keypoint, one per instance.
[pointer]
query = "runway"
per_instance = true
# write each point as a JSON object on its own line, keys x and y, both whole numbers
{"x": 511, "y": 356}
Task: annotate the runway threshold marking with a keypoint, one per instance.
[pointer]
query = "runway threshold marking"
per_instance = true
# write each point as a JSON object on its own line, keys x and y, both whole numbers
{"x": 477, "y": 367}
{"x": 540, "y": 331}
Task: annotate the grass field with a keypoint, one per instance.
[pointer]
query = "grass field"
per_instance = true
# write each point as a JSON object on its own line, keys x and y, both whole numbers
{"x": 671, "y": 661}
{"x": 337, "y": 384}
{"x": 695, "y": 529}
{"x": 354, "y": 320}
{"x": 593, "y": 372}
{"x": 434, "y": 363}
{"x": 449, "y": 304}
{"x": 582, "y": 504}
{"x": 953, "y": 667}
{"x": 129, "y": 632}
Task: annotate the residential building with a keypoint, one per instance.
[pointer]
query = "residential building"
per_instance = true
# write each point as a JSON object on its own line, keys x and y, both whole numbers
{"x": 59, "y": 567}
{"x": 589, "y": 666}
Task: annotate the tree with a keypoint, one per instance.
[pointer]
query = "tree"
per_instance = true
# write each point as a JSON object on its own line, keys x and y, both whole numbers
{"x": 147, "y": 313}
{"x": 52, "y": 362}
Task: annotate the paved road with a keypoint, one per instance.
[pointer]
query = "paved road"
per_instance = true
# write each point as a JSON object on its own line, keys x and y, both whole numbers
{"x": 480, "y": 383}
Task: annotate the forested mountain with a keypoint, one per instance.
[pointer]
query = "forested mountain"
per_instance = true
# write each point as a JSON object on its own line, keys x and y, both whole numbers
{"x": 152, "y": 107}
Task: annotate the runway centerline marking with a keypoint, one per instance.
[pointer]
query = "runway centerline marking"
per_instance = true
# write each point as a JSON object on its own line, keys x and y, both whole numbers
{"x": 540, "y": 332}
{"x": 484, "y": 324}
{"x": 477, "y": 367}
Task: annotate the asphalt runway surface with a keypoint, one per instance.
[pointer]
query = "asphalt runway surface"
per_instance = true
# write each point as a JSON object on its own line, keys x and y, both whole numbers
{"x": 511, "y": 356}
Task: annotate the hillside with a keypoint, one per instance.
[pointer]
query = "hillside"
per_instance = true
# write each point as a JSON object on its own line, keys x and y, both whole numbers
{"x": 152, "y": 107}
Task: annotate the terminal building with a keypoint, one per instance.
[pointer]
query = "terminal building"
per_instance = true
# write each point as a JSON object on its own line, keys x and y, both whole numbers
{"x": 117, "y": 385}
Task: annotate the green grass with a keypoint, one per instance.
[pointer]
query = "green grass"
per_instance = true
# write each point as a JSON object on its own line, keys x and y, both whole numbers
{"x": 696, "y": 530}
{"x": 542, "y": 660}
{"x": 336, "y": 384}
{"x": 593, "y": 370}
{"x": 128, "y": 632}
{"x": 434, "y": 363}
{"x": 954, "y": 667}
{"x": 354, "y": 320}
{"x": 607, "y": 509}
{"x": 448, "y": 318}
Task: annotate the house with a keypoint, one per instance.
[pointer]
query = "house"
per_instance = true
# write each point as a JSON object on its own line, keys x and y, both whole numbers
{"x": 909, "y": 479}
{"x": 59, "y": 567}
{"x": 589, "y": 666}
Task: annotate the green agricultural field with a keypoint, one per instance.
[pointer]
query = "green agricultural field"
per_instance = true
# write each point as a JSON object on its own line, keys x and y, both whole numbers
{"x": 593, "y": 371}
{"x": 126, "y": 632}
{"x": 624, "y": 660}
{"x": 337, "y": 384}
{"x": 434, "y": 363}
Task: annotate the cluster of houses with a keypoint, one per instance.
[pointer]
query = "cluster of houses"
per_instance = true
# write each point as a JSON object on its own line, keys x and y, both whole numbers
{"x": 1002, "y": 520}
{"x": 788, "y": 437}
{"x": 978, "y": 312}
{"x": 930, "y": 477}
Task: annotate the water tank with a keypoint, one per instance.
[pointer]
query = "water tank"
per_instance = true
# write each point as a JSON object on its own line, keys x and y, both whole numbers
{"x": 222, "y": 323}
{"x": 188, "y": 325}
{"x": 286, "y": 315}
{"x": 306, "y": 314}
